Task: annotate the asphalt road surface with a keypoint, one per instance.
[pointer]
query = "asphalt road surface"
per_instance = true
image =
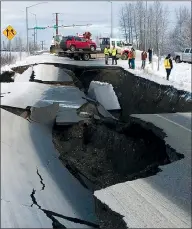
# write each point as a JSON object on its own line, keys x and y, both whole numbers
{"x": 34, "y": 182}
{"x": 162, "y": 200}
{"x": 180, "y": 119}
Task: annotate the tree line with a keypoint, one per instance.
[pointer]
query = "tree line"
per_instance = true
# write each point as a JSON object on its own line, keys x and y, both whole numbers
{"x": 18, "y": 44}
{"x": 148, "y": 25}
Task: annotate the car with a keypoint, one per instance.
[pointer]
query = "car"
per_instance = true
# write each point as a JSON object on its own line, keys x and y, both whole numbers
{"x": 185, "y": 56}
{"x": 74, "y": 43}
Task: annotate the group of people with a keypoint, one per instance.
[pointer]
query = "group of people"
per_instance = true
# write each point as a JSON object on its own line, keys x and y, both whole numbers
{"x": 112, "y": 52}
{"x": 131, "y": 58}
{"x": 168, "y": 64}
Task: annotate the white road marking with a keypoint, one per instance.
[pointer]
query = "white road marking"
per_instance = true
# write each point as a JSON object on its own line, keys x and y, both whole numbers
{"x": 174, "y": 122}
{"x": 185, "y": 114}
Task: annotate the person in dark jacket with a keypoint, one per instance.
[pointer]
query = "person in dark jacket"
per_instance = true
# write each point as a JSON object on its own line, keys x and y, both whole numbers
{"x": 133, "y": 58}
{"x": 130, "y": 55}
{"x": 143, "y": 58}
{"x": 168, "y": 64}
{"x": 150, "y": 55}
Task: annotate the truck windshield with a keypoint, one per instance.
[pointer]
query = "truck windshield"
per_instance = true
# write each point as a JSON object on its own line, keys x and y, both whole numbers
{"x": 187, "y": 50}
{"x": 120, "y": 43}
{"x": 105, "y": 41}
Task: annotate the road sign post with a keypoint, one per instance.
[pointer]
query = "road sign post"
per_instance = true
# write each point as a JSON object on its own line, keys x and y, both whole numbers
{"x": 9, "y": 51}
{"x": 10, "y": 33}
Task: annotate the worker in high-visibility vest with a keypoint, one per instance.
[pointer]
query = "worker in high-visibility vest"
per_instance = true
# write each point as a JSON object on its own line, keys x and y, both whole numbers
{"x": 107, "y": 53}
{"x": 114, "y": 55}
{"x": 168, "y": 64}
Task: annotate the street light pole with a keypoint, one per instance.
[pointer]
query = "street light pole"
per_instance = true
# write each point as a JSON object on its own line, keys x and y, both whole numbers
{"x": 27, "y": 28}
{"x": 111, "y": 19}
{"x": 35, "y": 30}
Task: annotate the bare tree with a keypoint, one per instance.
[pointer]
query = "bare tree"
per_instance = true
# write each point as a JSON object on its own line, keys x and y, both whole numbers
{"x": 123, "y": 23}
{"x": 181, "y": 35}
{"x": 139, "y": 28}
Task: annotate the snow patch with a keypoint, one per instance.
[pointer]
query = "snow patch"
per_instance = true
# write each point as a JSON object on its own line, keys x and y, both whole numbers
{"x": 104, "y": 94}
{"x": 180, "y": 77}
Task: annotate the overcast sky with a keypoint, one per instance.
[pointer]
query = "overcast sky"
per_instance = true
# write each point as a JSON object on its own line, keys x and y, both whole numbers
{"x": 71, "y": 12}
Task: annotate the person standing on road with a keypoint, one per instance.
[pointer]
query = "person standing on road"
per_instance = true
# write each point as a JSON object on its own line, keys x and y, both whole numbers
{"x": 106, "y": 52}
{"x": 114, "y": 55}
{"x": 52, "y": 45}
{"x": 130, "y": 58}
{"x": 133, "y": 58}
{"x": 143, "y": 58}
{"x": 150, "y": 55}
{"x": 168, "y": 65}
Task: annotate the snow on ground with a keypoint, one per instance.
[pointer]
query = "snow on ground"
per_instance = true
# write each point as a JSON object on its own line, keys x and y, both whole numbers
{"x": 18, "y": 55}
{"x": 180, "y": 76}
{"x": 30, "y": 60}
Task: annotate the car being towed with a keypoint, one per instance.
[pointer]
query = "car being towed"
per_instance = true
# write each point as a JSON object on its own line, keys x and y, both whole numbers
{"x": 74, "y": 43}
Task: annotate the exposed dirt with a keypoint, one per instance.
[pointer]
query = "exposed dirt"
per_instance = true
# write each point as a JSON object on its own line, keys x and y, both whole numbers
{"x": 14, "y": 110}
{"x": 137, "y": 95}
{"x": 108, "y": 219}
{"x": 21, "y": 69}
{"x": 7, "y": 77}
{"x": 108, "y": 154}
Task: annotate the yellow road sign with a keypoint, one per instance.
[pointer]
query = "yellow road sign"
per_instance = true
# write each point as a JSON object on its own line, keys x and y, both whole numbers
{"x": 10, "y": 32}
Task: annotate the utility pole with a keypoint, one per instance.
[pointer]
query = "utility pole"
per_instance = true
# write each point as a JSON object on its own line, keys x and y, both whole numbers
{"x": 56, "y": 23}
{"x": 27, "y": 30}
{"x": 145, "y": 27}
{"x": 34, "y": 42}
{"x": 42, "y": 45}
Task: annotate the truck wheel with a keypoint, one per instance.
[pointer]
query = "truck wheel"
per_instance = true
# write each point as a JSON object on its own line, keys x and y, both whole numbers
{"x": 177, "y": 59}
{"x": 86, "y": 56}
{"x": 92, "y": 48}
{"x": 72, "y": 48}
{"x": 124, "y": 56}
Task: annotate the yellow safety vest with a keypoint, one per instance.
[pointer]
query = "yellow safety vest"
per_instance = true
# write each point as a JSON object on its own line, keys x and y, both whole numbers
{"x": 106, "y": 51}
{"x": 114, "y": 52}
{"x": 167, "y": 64}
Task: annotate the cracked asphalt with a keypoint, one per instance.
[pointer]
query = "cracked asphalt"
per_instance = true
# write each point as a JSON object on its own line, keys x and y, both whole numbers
{"x": 38, "y": 191}
{"x": 40, "y": 180}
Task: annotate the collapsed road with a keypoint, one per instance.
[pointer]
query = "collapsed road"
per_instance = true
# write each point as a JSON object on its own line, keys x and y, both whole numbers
{"x": 136, "y": 95}
{"x": 48, "y": 193}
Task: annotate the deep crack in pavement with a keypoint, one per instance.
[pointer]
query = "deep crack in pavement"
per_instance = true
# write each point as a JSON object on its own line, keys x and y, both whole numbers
{"x": 41, "y": 180}
{"x": 55, "y": 222}
{"x": 51, "y": 214}
{"x": 95, "y": 154}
